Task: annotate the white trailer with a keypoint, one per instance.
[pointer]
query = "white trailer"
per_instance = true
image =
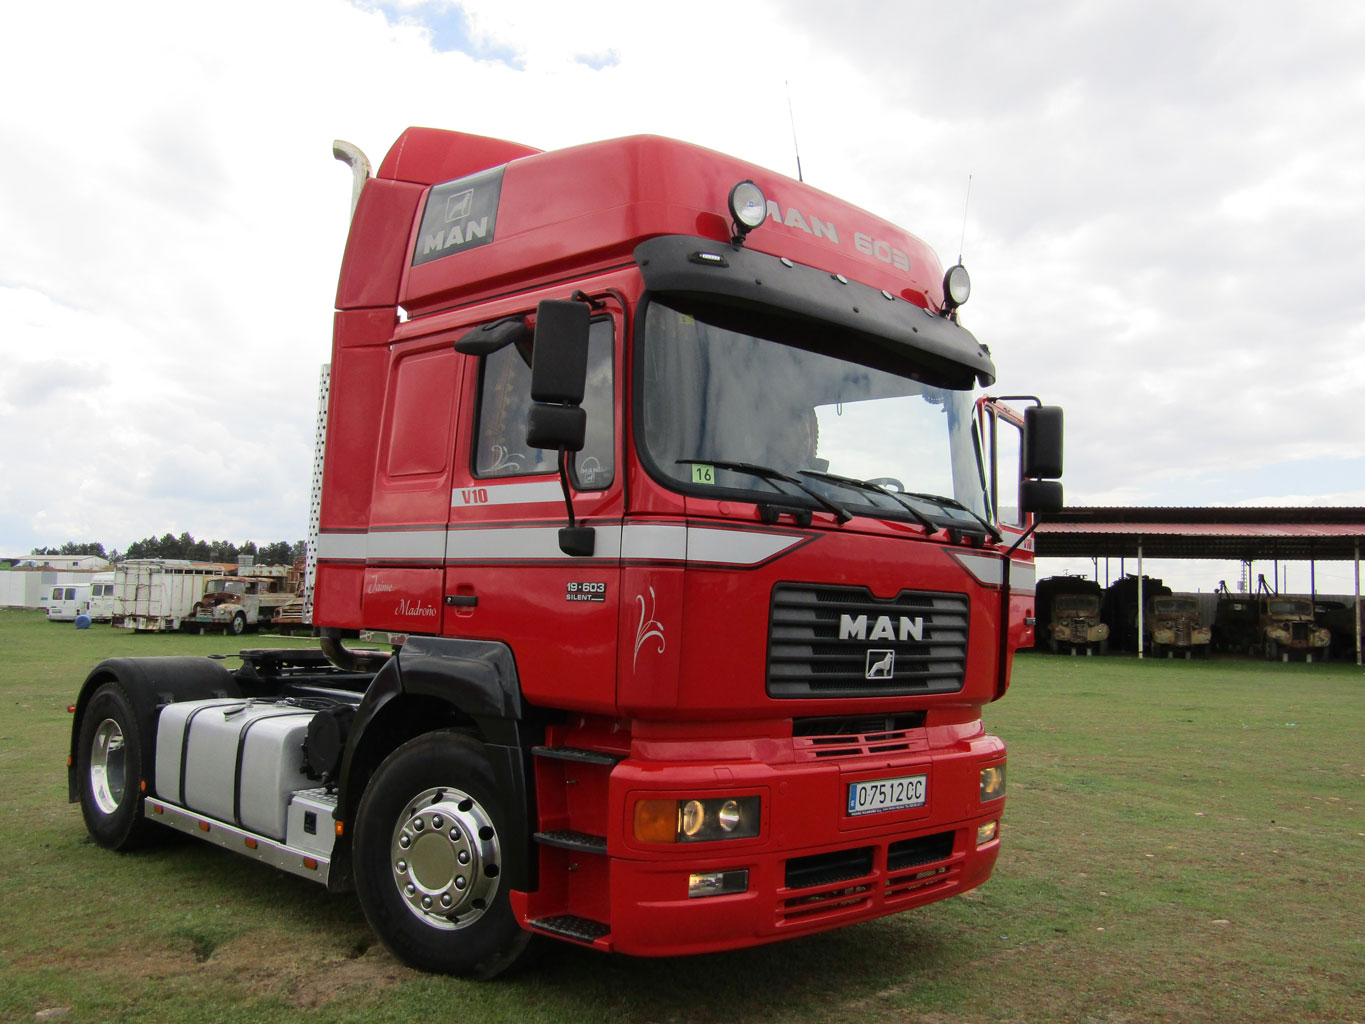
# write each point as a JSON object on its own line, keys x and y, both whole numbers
{"x": 155, "y": 595}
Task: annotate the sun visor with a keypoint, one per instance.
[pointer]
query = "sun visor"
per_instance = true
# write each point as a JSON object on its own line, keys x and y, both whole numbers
{"x": 713, "y": 273}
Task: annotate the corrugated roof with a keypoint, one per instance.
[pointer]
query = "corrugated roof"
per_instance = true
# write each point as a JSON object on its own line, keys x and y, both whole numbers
{"x": 1234, "y": 532}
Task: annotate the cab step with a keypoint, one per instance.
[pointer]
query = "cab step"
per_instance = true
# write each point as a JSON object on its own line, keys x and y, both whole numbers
{"x": 569, "y": 926}
{"x": 571, "y": 840}
{"x": 579, "y": 755}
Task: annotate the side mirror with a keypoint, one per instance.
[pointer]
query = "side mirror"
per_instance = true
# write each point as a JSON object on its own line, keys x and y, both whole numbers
{"x": 1040, "y": 496}
{"x": 559, "y": 373}
{"x": 1042, "y": 443}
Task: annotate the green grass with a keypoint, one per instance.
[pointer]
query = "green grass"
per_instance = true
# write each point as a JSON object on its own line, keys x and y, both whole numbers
{"x": 1184, "y": 842}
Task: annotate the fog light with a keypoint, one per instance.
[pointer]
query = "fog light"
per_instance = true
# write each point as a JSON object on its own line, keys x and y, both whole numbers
{"x": 717, "y": 883}
{"x": 987, "y": 833}
{"x": 992, "y": 782}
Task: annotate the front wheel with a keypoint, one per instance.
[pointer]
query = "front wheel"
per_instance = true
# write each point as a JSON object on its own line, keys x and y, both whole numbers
{"x": 238, "y": 624}
{"x": 109, "y": 771}
{"x": 428, "y": 859}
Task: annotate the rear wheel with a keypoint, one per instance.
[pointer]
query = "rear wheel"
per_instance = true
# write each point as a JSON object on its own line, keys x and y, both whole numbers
{"x": 109, "y": 771}
{"x": 428, "y": 859}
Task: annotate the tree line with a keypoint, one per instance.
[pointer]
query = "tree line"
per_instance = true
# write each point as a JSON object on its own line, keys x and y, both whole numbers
{"x": 282, "y": 552}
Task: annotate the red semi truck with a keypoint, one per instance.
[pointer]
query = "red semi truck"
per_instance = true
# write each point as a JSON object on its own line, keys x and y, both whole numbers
{"x": 665, "y": 479}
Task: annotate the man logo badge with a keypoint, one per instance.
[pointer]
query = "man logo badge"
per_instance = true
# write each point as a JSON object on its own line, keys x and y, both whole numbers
{"x": 459, "y": 205}
{"x": 880, "y": 665}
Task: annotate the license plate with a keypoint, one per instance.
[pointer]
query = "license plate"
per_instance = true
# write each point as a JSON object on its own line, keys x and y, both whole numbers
{"x": 887, "y": 794}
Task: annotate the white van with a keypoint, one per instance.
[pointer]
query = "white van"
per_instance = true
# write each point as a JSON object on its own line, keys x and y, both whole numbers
{"x": 102, "y": 596}
{"x": 65, "y": 602}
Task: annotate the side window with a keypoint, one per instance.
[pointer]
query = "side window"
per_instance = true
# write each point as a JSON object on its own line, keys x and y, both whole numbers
{"x": 500, "y": 447}
{"x": 595, "y": 466}
{"x": 1009, "y": 438}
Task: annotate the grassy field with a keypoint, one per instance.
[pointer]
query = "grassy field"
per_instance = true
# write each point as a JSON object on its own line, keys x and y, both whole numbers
{"x": 1184, "y": 842}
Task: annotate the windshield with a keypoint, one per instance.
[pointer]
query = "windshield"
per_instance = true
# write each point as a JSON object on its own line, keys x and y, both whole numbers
{"x": 1078, "y": 604}
{"x": 1286, "y": 607}
{"x": 717, "y": 400}
{"x": 1177, "y": 605}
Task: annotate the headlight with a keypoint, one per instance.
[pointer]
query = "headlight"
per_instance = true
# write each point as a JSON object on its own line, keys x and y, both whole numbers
{"x": 697, "y": 820}
{"x": 992, "y": 782}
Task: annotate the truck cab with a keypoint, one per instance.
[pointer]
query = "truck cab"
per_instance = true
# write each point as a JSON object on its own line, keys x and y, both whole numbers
{"x": 668, "y": 484}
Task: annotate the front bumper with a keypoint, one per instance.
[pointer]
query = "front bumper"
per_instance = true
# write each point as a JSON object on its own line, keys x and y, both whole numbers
{"x": 813, "y": 867}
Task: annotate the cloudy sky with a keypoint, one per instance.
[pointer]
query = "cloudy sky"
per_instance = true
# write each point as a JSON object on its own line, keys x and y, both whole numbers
{"x": 1166, "y": 230}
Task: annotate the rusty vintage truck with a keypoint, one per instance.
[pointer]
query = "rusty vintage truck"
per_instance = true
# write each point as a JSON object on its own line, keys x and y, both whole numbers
{"x": 1289, "y": 629}
{"x": 1173, "y": 627}
{"x": 235, "y": 604}
{"x": 1069, "y": 613}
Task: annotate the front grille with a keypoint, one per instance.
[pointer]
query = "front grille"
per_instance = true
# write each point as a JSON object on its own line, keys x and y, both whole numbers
{"x": 911, "y": 853}
{"x": 814, "y": 738}
{"x": 828, "y": 868}
{"x": 842, "y": 883}
{"x": 843, "y": 642}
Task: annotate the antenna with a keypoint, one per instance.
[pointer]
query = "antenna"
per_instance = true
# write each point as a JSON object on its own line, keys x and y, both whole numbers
{"x": 792, "y": 115}
{"x": 961, "y": 243}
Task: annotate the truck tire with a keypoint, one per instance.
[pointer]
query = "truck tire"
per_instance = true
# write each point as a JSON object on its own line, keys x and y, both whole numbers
{"x": 238, "y": 624}
{"x": 428, "y": 859}
{"x": 109, "y": 770}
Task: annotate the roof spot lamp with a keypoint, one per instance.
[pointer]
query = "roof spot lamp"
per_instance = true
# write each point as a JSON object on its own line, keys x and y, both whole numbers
{"x": 748, "y": 209}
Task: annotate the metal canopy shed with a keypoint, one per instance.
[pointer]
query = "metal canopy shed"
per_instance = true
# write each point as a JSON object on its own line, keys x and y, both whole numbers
{"x": 1244, "y": 534}
{"x": 1235, "y": 533}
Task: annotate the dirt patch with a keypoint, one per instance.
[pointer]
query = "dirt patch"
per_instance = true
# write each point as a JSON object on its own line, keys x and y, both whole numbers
{"x": 275, "y": 966}
{"x": 375, "y": 971}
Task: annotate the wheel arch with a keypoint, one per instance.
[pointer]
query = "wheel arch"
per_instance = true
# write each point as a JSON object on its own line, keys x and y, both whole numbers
{"x": 437, "y": 683}
{"x": 151, "y": 684}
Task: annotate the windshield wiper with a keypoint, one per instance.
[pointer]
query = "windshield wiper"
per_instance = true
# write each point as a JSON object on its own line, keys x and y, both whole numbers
{"x": 867, "y": 485}
{"x": 841, "y": 514}
{"x": 947, "y": 502}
